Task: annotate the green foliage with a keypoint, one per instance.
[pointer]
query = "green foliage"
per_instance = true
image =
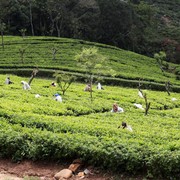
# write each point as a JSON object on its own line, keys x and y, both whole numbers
{"x": 141, "y": 26}
{"x": 92, "y": 63}
{"x": 161, "y": 56}
{"x": 23, "y": 32}
{"x": 90, "y": 60}
{"x": 122, "y": 62}
{"x": 2, "y": 26}
{"x": 64, "y": 81}
{"x": 41, "y": 128}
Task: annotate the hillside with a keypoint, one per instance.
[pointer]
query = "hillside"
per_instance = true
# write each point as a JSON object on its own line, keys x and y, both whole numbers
{"x": 169, "y": 9}
{"x": 129, "y": 66}
{"x": 142, "y": 26}
{"x": 45, "y": 129}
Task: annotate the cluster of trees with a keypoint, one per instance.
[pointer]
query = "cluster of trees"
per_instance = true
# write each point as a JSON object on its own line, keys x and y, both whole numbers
{"x": 130, "y": 24}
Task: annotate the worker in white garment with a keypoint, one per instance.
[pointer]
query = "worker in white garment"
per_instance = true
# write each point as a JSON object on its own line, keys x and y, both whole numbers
{"x": 26, "y": 86}
{"x": 99, "y": 87}
{"x": 58, "y": 97}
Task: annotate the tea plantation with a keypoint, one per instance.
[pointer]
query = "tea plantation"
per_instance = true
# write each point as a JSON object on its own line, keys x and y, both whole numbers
{"x": 44, "y": 129}
{"x": 38, "y": 52}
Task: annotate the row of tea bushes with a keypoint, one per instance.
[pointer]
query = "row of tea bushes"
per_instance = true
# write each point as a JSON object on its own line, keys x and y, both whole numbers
{"x": 19, "y": 143}
{"x": 41, "y": 128}
{"x": 38, "y": 53}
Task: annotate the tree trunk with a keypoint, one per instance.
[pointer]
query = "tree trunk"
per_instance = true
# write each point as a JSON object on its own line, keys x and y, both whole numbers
{"x": 91, "y": 95}
{"x": 42, "y": 27}
{"x": 52, "y": 25}
{"x": 31, "y": 19}
{"x": 22, "y": 51}
{"x": 2, "y": 38}
{"x": 147, "y": 104}
{"x": 167, "y": 86}
{"x": 58, "y": 27}
{"x": 54, "y": 51}
{"x": 35, "y": 71}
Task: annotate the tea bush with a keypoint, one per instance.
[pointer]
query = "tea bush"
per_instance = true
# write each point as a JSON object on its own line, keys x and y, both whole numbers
{"x": 41, "y": 128}
{"x": 129, "y": 66}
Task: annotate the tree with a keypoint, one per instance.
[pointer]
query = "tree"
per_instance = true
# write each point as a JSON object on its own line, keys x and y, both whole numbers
{"x": 167, "y": 87}
{"x": 22, "y": 51}
{"x": 160, "y": 57}
{"x": 33, "y": 74}
{"x": 116, "y": 18}
{"x": 143, "y": 31}
{"x": 54, "y": 50}
{"x": 30, "y": 2}
{"x": 92, "y": 63}
{"x": 144, "y": 95}
{"x": 2, "y": 28}
{"x": 64, "y": 81}
{"x": 23, "y": 32}
{"x": 147, "y": 104}
{"x": 56, "y": 10}
{"x": 84, "y": 19}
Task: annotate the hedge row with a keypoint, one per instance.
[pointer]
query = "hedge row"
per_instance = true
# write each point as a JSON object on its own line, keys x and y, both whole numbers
{"x": 82, "y": 78}
{"x": 18, "y": 143}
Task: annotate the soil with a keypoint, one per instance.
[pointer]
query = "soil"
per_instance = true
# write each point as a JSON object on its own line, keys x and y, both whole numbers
{"x": 38, "y": 170}
{"x": 29, "y": 170}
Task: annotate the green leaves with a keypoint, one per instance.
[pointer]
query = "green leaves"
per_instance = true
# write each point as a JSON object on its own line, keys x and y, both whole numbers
{"x": 90, "y": 59}
{"x": 41, "y": 128}
{"x": 64, "y": 81}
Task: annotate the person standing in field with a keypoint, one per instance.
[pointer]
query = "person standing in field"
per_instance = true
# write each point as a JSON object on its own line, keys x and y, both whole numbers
{"x": 99, "y": 87}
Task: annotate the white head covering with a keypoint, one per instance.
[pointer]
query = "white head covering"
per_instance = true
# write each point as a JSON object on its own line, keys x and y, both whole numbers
{"x": 26, "y": 86}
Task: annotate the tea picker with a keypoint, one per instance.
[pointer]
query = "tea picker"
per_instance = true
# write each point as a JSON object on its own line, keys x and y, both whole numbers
{"x": 58, "y": 97}
{"x": 8, "y": 81}
{"x": 26, "y": 86}
{"x": 124, "y": 125}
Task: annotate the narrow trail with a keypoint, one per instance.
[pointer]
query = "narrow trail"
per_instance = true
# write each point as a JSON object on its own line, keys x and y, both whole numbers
{"x": 29, "y": 170}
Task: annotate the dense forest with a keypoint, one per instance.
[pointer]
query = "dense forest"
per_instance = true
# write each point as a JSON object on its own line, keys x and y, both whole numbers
{"x": 145, "y": 27}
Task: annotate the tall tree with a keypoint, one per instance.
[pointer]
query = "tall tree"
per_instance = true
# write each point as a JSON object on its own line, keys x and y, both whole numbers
{"x": 115, "y": 20}
{"x": 56, "y": 10}
{"x": 3, "y": 13}
{"x": 160, "y": 58}
{"x": 144, "y": 95}
{"x": 84, "y": 19}
{"x": 92, "y": 62}
{"x": 2, "y": 28}
{"x": 30, "y": 2}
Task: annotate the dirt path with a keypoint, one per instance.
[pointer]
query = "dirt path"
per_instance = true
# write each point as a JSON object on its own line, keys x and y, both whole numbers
{"x": 28, "y": 170}
{"x": 40, "y": 170}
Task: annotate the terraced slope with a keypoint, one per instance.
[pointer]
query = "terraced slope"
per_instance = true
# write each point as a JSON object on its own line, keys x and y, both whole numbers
{"x": 42, "y": 128}
{"x": 38, "y": 52}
